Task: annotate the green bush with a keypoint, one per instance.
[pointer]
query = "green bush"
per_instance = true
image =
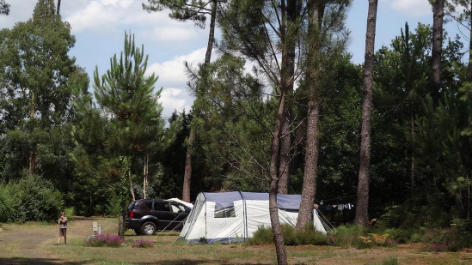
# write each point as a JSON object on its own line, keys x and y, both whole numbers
{"x": 70, "y": 213}
{"x": 5, "y": 204}
{"x": 114, "y": 206}
{"x": 34, "y": 199}
{"x": 292, "y": 237}
{"x": 348, "y": 236}
{"x": 262, "y": 236}
{"x": 403, "y": 236}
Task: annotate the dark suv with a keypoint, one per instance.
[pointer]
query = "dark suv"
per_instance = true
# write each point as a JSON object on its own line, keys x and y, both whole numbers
{"x": 148, "y": 215}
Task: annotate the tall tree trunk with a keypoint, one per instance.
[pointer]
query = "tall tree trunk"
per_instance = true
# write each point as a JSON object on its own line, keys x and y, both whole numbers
{"x": 285, "y": 154}
{"x": 316, "y": 11}
{"x": 32, "y": 153}
{"x": 435, "y": 75}
{"x": 131, "y": 189}
{"x": 191, "y": 139}
{"x": 469, "y": 67}
{"x": 58, "y": 6}
{"x": 273, "y": 210}
{"x": 363, "y": 185}
{"x": 412, "y": 131}
{"x": 145, "y": 176}
{"x": 287, "y": 79}
{"x": 469, "y": 79}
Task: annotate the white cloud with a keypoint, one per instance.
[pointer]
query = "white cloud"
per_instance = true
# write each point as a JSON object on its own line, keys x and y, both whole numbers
{"x": 414, "y": 8}
{"x": 19, "y": 11}
{"x": 172, "y": 73}
{"x": 173, "y": 79}
{"x": 174, "y": 33}
{"x": 175, "y": 99}
{"x": 104, "y": 16}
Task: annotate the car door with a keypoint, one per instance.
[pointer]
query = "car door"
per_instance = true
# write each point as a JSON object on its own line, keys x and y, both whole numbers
{"x": 163, "y": 212}
{"x": 180, "y": 214}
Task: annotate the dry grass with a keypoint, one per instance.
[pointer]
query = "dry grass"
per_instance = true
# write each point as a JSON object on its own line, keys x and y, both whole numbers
{"x": 33, "y": 243}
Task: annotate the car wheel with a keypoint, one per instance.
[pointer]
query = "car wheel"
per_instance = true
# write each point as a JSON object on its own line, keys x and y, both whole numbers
{"x": 148, "y": 228}
{"x": 137, "y": 231}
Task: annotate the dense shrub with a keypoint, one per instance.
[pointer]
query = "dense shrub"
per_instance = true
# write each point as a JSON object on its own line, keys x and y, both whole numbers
{"x": 5, "y": 204}
{"x": 104, "y": 240}
{"x": 404, "y": 235}
{"x": 348, "y": 236}
{"x": 307, "y": 236}
{"x": 34, "y": 198}
{"x": 70, "y": 213}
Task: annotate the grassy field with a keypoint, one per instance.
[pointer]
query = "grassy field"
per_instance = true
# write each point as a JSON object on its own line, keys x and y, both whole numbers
{"x": 33, "y": 243}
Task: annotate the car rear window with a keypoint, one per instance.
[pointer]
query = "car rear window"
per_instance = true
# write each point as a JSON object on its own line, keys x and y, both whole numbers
{"x": 131, "y": 206}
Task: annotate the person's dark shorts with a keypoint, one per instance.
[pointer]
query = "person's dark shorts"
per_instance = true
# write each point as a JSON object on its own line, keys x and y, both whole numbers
{"x": 62, "y": 231}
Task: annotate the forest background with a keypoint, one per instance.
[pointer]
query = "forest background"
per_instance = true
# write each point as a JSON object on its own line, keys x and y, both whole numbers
{"x": 65, "y": 145}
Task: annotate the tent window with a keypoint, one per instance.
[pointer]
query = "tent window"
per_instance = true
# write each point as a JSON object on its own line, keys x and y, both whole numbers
{"x": 226, "y": 212}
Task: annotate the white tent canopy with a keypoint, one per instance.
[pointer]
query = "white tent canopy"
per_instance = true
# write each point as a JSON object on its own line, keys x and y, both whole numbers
{"x": 235, "y": 216}
{"x": 189, "y": 205}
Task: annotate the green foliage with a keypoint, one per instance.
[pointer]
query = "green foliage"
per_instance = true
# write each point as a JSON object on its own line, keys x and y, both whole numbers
{"x": 307, "y": 236}
{"x": 348, "y": 236}
{"x": 36, "y": 79}
{"x": 195, "y": 11}
{"x": 5, "y": 204}
{"x": 262, "y": 236}
{"x": 111, "y": 148}
{"x": 34, "y": 199}
{"x": 114, "y": 206}
{"x": 404, "y": 235}
{"x": 4, "y": 8}
{"x": 70, "y": 213}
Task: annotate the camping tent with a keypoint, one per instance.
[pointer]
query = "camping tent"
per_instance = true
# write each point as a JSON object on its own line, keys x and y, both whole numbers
{"x": 235, "y": 216}
{"x": 189, "y": 205}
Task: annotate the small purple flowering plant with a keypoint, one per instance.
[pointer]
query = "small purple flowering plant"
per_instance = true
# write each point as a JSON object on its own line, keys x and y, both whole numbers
{"x": 142, "y": 243}
{"x": 104, "y": 240}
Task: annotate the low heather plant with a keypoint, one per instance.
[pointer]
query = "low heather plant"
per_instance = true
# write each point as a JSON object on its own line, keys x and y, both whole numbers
{"x": 142, "y": 243}
{"x": 104, "y": 241}
{"x": 440, "y": 247}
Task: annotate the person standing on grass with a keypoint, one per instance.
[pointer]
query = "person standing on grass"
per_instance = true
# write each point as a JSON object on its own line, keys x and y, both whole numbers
{"x": 62, "y": 228}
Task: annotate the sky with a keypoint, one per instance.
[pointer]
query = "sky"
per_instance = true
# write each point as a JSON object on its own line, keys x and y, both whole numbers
{"x": 100, "y": 25}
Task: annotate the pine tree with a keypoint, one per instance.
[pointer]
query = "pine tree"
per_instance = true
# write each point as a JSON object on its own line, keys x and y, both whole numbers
{"x": 325, "y": 42}
{"x": 4, "y": 8}
{"x": 437, "y": 40}
{"x": 130, "y": 116}
{"x": 364, "y": 167}
{"x": 195, "y": 11}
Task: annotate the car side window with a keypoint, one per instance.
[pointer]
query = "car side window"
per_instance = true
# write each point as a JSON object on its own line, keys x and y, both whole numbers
{"x": 175, "y": 209}
{"x": 178, "y": 208}
{"x": 161, "y": 206}
{"x": 148, "y": 204}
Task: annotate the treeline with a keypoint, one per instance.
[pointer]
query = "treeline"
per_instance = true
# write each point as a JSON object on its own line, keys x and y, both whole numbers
{"x": 251, "y": 128}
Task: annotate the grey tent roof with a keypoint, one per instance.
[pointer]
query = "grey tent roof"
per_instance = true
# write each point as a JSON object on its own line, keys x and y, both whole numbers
{"x": 226, "y": 199}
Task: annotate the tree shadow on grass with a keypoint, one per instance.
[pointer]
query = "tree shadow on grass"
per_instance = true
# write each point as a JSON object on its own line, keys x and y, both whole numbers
{"x": 190, "y": 262}
{"x": 39, "y": 261}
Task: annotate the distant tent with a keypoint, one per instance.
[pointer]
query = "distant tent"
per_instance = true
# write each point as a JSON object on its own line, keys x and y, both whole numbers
{"x": 235, "y": 216}
{"x": 189, "y": 205}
